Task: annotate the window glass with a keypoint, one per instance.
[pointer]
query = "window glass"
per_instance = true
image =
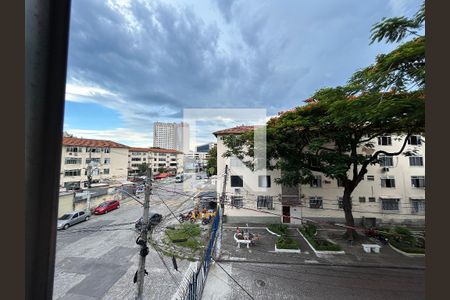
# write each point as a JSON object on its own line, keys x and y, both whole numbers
{"x": 236, "y": 181}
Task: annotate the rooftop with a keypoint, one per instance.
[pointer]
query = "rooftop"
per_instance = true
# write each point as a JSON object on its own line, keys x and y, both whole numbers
{"x": 235, "y": 130}
{"x": 71, "y": 141}
{"x": 152, "y": 149}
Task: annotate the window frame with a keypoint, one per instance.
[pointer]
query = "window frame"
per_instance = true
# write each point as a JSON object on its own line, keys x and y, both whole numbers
{"x": 387, "y": 179}
{"x": 267, "y": 181}
{"x": 317, "y": 199}
{"x": 233, "y": 182}
{"x": 419, "y": 178}
{"x": 388, "y": 140}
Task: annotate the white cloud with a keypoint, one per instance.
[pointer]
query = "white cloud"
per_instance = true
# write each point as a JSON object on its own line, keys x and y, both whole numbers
{"x": 125, "y": 136}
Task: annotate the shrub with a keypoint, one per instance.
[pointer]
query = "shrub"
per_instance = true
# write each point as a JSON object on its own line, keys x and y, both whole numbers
{"x": 407, "y": 247}
{"x": 309, "y": 231}
{"x": 280, "y": 229}
{"x": 284, "y": 242}
{"x": 185, "y": 235}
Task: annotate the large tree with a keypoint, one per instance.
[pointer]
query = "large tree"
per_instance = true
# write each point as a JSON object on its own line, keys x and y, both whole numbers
{"x": 333, "y": 133}
{"x": 211, "y": 167}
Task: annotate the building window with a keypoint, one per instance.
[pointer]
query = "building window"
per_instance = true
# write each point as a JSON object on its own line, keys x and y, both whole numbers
{"x": 362, "y": 199}
{"x": 106, "y": 171}
{"x": 237, "y": 181}
{"x": 417, "y": 206}
{"x": 72, "y": 172}
{"x": 415, "y": 140}
{"x": 135, "y": 159}
{"x": 144, "y": 159}
{"x": 384, "y": 140}
{"x": 370, "y": 178}
{"x": 315, "y": 202}
{"x": 106, "y": 150}
{"x": 237, "y": 201}
{"x": 416, "y": 161}
{"x": 418, "y": 181}
{"x": 372, "y": 199}
{"x": 72, "y": 161}
{"x": 390, "y": 204}
{"x": 388, "y": 182}
{"x": 106, "y": 161}
{"x": 316, "y": 181}
{"x": 96, "y": 160}
{"x": 74, "y": 149}
{"x": 264, "y": 181}
{"x": 93, "y": 150}
{"x": 340, "y": 182}
{"x": 386, "y": 161}
{"x": 264, "y": 202}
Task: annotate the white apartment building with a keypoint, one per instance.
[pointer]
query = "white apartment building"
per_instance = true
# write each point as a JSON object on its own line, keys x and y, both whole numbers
{"x": 171, "y": 136}
{"x": 164, "y": 135}
{"x": 156, "y": 158}
{"x": 110, "y": 160}
{"x": 391, "y": 192}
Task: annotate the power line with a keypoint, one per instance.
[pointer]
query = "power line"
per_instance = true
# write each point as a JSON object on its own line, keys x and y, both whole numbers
{"x": 235, "y": 281}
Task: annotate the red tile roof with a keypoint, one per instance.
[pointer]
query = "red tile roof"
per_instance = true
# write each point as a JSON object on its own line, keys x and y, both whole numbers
{"x": 151, "y": 149}
{"x": 70, "y": 141}
{"x": 235, "y": 130}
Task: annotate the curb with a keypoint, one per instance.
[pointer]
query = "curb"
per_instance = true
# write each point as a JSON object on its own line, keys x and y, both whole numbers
{"x": 287, "y": 250}
{"x": 318, "y": 252}
{"x": 405, "y": 253}
{"x": 322, "y": 264}
{"x": 271, "y": 232}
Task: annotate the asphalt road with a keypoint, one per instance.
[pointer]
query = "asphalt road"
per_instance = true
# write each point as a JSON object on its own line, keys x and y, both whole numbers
{"x": 97, "y": 259}
{"x": 276, "y": 281}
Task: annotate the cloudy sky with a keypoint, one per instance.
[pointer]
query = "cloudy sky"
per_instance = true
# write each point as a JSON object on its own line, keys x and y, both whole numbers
{"x": 132, "y": 63}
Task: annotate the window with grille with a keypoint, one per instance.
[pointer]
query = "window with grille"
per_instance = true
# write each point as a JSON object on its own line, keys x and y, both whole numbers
{"x": 72, "y": 161}
{"x": 384, "y": 140}
{"x": 89, "y": 160}
{"x": 418, "y": 181}
{"x": 72, "y": 172}
{"x": 264, "y": 202}
{"x": 415, "y": 140}
{"x": 417, "y": 206}
{"x": 416, "y": 161}
{"x": 315, "y": 202}
{"x": 370, "y": 178}
{"x": 372, "y": 199}
{"x": 316, "y": 181}
{"x": 74, "y": 149}
{"x": 390, "y": 204}
{"x": 264, "y": 181}
{"x": 106, "y": 161}
{"x": 105, "y": 171}
{"x": 237, "y": 201}
{"x": 388, "y": 182}
{"x": 236, "y": 181}
{"x": 386, "y": 161}
{"x": 362, "y": 199}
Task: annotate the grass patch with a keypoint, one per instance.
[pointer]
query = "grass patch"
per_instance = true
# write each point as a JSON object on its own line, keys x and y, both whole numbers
{"x": 403, "y": 239}
{"x": 280, "y": 229}
{"x": 309, "y": 232}
{"x": 285, "y": 242}
{"x": 185, "y": 235}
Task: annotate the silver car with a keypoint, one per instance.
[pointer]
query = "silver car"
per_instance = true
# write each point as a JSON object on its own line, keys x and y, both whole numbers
{"x": 72, "y": 218}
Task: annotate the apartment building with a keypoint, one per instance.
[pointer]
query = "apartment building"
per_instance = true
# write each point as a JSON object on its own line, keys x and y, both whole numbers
{"x": 109, "y": 161}
{"x": 391, "y": 192}
{"x": 171, "y": 136}
{"x": 205, "y": 147}
{"x": 156, "y": 158}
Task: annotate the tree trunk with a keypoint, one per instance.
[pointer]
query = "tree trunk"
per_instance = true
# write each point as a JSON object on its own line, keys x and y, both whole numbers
{"x": 351, "y": 233}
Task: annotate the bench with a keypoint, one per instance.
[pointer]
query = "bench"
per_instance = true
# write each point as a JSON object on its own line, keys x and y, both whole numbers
{"x": 371, "y": 247}
{"x": 239, "y": 242}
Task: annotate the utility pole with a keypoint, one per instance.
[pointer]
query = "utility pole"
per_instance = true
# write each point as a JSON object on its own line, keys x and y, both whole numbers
{"x": 142, "y": 240}
{"x": 89, "y": 177}
{"x": 223, "y": 196}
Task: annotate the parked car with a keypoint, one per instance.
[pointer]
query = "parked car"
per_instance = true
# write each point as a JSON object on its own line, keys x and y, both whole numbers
{"x": 72, "y": 218}
{"x": 106, "y": 207}
{"x": 154, "y": 219}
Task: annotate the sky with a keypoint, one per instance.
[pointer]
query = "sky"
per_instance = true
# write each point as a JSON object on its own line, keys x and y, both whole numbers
{"x": 132, "y": 63}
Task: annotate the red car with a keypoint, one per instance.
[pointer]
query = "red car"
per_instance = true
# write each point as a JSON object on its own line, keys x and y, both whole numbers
{"x": 106, "y": 207}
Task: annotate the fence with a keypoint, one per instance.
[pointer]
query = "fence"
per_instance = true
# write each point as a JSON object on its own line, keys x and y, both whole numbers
{"x": 193, "y": 288}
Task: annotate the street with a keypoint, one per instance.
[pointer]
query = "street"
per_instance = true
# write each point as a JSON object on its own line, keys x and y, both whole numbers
{"x": 281, "y": 281}
{"x": 98, "y": 259}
